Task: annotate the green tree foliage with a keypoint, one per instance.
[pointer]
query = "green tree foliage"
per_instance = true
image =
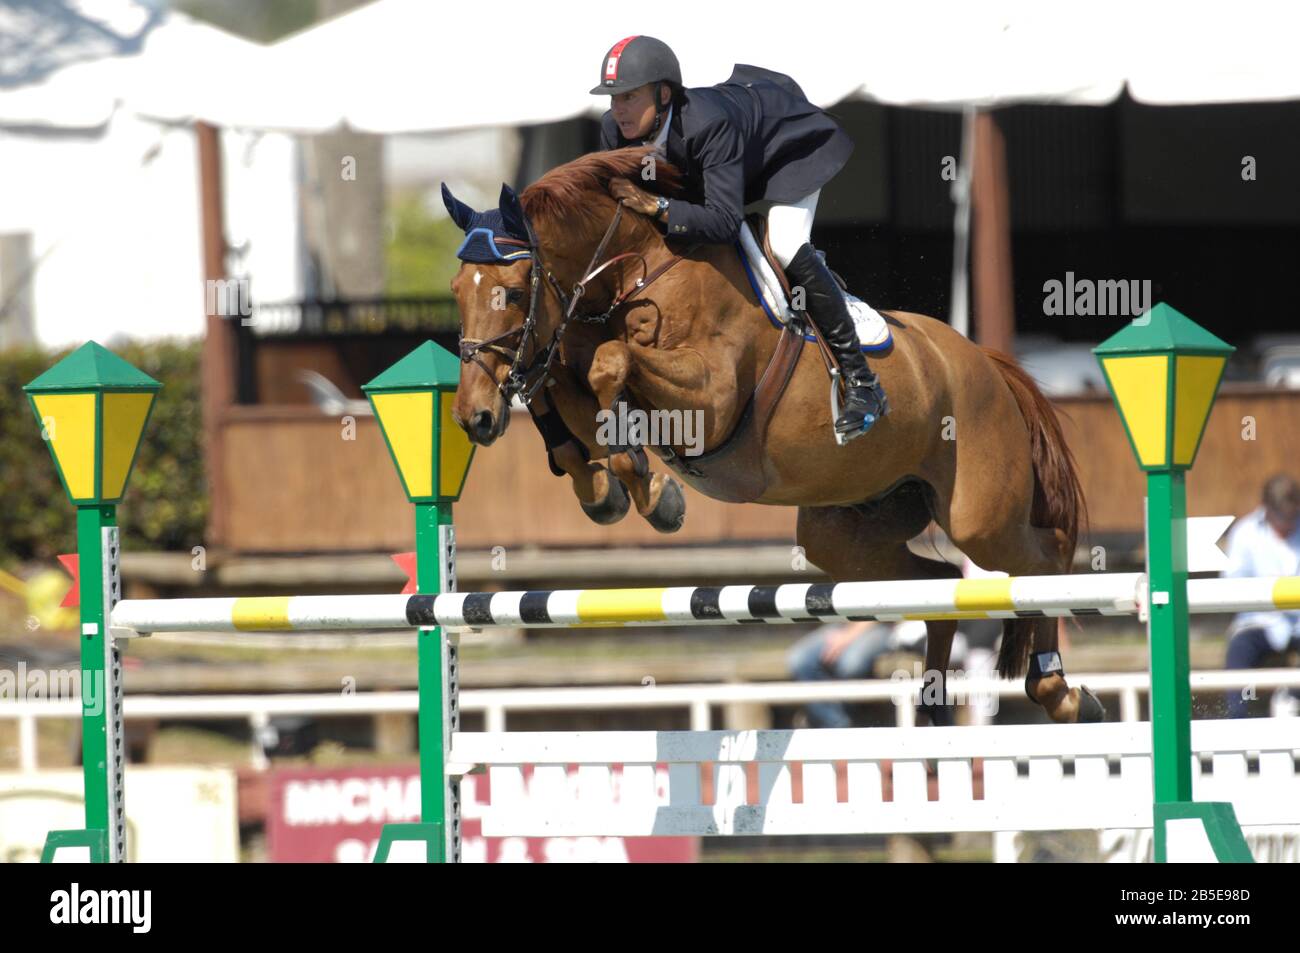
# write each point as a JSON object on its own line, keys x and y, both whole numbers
{"x": 421, "y": 249}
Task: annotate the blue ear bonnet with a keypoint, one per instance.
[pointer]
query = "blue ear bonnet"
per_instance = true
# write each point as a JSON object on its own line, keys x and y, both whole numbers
{"x": 480, "y": 246}
{"x": 492, "y": 236}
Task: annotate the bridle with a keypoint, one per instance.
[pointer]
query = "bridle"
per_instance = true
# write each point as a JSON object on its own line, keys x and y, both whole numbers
{"x": 524, "y": 379}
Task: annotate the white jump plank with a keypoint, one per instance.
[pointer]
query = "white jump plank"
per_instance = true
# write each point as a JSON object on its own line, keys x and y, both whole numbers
{"x": 1035, "y": 777}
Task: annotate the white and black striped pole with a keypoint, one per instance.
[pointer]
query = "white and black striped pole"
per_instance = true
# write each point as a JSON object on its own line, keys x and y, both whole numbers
{"x": 1015, "y": 597}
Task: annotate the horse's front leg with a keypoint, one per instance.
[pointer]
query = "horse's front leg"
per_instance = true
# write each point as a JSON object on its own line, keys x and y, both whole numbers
{"x": 658, "y": 497}
{"x": 603, "y": 496}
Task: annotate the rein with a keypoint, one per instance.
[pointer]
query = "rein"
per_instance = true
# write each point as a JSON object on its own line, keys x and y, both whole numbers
{"x": 517, "y": 382}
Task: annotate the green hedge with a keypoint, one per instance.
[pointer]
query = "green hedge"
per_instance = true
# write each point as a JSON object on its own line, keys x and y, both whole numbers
{"x": 166, "y": 504}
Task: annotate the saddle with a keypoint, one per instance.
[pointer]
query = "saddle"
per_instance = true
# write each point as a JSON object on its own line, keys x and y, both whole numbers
{"x": 742, "y": 454}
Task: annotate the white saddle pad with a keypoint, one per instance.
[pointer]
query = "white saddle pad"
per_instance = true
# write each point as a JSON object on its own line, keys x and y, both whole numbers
{"x": 872, "y": 329}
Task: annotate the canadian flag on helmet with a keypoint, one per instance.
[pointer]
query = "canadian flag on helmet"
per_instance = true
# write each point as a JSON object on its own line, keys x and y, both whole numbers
{"x": 611, "y": 64}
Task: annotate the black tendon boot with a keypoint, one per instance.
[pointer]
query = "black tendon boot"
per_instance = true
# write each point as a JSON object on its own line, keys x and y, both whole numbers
{"x": 865, "y": 401}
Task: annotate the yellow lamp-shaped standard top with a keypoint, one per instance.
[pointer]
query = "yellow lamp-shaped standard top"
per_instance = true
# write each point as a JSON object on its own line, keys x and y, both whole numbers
{"x": 1163, "y": 371}
{"x": 412, "y": 401}
{"x": 93, "y": 407}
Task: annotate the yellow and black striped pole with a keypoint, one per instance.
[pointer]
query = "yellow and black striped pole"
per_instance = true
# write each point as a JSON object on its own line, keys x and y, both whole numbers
{"x": 1014, "y": 597}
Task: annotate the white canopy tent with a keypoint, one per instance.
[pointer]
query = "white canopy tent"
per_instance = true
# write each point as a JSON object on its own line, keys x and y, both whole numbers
{"x": 397, "y": 66}
{"x": 405, "y": 65}
{"x": 99, "y": 187}
{"x": 75, "y": 64}
{"x": 411, "y": 66}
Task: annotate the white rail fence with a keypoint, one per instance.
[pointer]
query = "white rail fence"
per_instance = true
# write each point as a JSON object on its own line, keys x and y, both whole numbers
{"x": 698, "y": 700}
{"x": 868, "y": 780}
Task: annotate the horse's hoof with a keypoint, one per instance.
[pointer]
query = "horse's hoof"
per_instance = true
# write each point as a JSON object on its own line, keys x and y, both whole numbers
{"x": 1090, "y": 707}
{"x": 670, "y": 512}
{"x": 613, "y": 507}
{"x": 940, "y": 716}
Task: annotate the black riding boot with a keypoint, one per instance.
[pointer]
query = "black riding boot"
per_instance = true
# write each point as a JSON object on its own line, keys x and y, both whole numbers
{"x": 865, "y": 401}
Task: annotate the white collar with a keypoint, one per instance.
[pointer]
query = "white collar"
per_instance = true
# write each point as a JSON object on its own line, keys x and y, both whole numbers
{"x": 660, "y": 139}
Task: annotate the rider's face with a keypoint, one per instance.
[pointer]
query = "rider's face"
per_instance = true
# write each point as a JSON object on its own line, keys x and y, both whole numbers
{"x": 634, "y": 111}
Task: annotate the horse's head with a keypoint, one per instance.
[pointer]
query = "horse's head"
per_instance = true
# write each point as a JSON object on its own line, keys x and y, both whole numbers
{"x": 521, "y": 262}
{"x": 494, "y": 294}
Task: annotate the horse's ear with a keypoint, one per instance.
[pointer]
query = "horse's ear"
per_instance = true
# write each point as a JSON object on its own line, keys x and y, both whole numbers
{"x": 460, "y": 213}
{"x": 512, "y": 213}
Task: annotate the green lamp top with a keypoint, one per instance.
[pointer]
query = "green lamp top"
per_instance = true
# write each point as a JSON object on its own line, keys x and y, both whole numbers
{"x": 1163, "y": 329}
{"x": 91, "y": 367}
{"x": 428, "y": 366}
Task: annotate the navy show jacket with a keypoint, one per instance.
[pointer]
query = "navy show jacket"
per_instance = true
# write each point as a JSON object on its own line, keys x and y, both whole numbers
{"x": 753, "y": 138}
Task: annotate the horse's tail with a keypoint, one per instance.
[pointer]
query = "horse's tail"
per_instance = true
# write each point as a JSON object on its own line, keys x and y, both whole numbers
{"x": 1058, "y": 494}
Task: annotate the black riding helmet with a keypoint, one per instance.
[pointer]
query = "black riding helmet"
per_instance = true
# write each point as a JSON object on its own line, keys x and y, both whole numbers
{"x": 634, "y": 61}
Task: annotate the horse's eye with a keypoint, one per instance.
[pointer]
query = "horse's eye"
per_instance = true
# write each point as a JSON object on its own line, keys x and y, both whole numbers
{"x": 514, "y": 295}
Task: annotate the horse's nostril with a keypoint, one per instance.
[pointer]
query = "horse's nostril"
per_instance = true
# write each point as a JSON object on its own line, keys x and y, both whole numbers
{"x": 482, "y": 423}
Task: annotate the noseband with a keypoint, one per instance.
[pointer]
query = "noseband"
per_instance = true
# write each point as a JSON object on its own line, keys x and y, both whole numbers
{"x": 524, "y": 379}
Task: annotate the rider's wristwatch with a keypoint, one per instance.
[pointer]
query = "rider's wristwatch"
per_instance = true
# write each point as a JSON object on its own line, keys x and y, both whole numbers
{"x": 663, "y": 207}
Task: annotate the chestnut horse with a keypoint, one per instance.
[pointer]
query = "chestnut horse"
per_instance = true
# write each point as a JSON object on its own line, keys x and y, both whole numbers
{"x": 969, "y": 442}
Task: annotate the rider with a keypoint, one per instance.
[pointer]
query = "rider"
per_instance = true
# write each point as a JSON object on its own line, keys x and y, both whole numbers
{"x": 754, "y": 138}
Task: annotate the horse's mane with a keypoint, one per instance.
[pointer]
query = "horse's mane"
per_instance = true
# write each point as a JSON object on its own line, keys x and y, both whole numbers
{"x": 571, "y": 194}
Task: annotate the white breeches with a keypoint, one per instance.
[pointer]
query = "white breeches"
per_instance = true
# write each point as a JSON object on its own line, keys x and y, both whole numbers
{"x": 789, "y": 227}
